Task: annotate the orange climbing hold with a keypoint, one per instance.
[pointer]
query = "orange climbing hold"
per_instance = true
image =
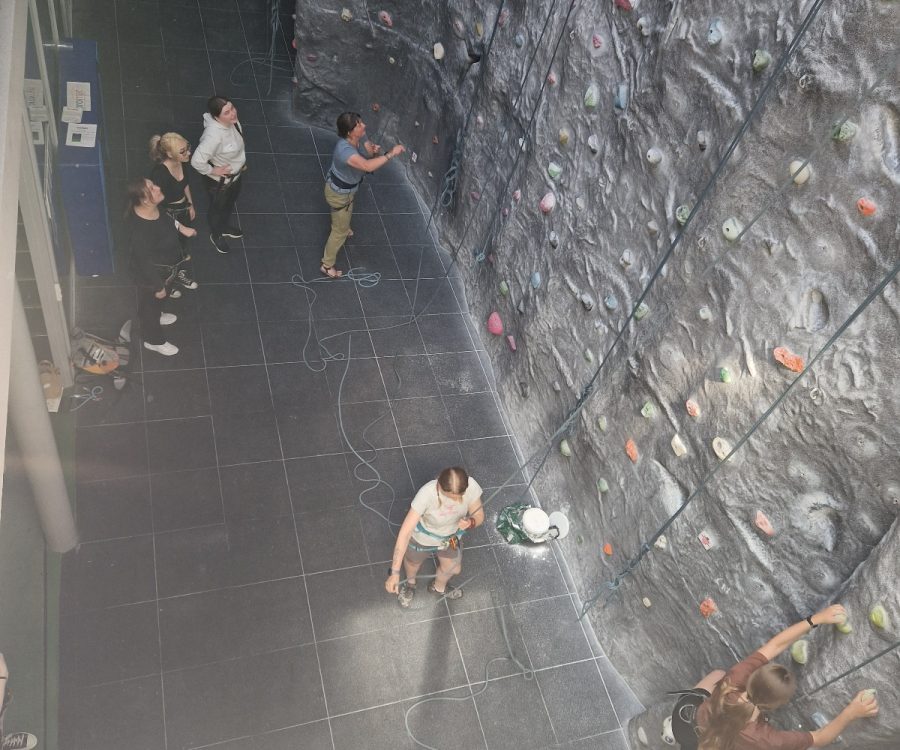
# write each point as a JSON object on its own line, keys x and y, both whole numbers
{"x": 762, "y": 522}
{"x": 790, "y": 360}
{"x": 607, "y": 549}
{"x": 631, "y": 450}
{"x": 708, "y": 607}
{"x": 692, "y": 407}
{"x": 866, "y": 207}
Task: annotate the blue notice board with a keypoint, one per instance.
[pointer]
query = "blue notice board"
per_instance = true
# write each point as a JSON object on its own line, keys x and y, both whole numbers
{"x": 80, "y": 164}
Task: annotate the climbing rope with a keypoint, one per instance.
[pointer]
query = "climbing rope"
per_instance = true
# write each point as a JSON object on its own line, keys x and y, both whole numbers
{"x": 646, "y": 546}
{"x": 850, "y": 671}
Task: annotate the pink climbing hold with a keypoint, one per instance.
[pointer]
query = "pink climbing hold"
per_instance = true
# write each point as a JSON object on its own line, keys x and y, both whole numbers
{"x": 475, "y": 195}
{"x": 495, "y": 324}
{"x": 596, "y": 41}
{"x": 505, "y": 212}
{"x": 866, "y": 207}
{"x": 294, "y": 43}
{"x": 623, "y": 4}
{"x": 762, "y": 522}
{"x": 511, "y": 340}
{"x": 548, "y": 203}
{"x": 692, "y": 407}
{"x": 311, "y": 57}
{"x": 435, "y": 140}
{"x": 504, "y": 17}
{"x": 631, "y": 450}
{"x": 708, "y": 607}
{"x": 551, "y": 78}
{"x": 517, "y": 195}
{"x": 386, "y": 19}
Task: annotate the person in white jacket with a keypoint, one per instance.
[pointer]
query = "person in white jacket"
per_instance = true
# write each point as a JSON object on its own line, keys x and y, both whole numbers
{"x": 221, "y": 159}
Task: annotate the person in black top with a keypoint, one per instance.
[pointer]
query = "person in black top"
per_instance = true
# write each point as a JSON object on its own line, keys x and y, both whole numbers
{"x": 169, "y": 153}
{"x": 155, "y": 255}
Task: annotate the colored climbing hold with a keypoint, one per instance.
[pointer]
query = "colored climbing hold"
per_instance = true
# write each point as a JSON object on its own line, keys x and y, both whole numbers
{"x": 346, "y": 14}
{"x": 732, "y": 229}
{"x": 646, "y": 602}
{"x": 631, "y": 450}
{"x": 702, "y": 140}
{"x": 551, "y": 78}
{"x": 868, "y": 695}
{"x": 591, "y": 96}
{"x": 503, "y": 17}
{"x": 602, "y": 485}
{"x": 762, "y": 522}
{"x": 548, "y": 203}
{"x": 438, "y": 51}
{"x": 620, "y": 101}
{"x": 597, "y": 41}
{"x": 878, "y": 616}
{"x": 479, "y": 29}
{"x": 311, "y": 57}
{"x": 642, "y": 311}
{"x": 504, "y": 288}
{"x": 588, "y": 356}
{"x": 715, "y": 32}
{"x": 845, "y": 131}
{"x": 724, "y": 374}
{"x": 495, "y": 324}
{"x": 800, "y": 172}
{"x": 678, "y": 446}
{"x": 611, "y": 302}
{"x": 800, "y": 651}
{"x": 564, "y": 136}
{"x": 654, "y": 156}
{"x": 661, "y": 543}
{"x": 866, "y": 207}
{"x": 692, "y": 407}
{"x": 705, "y": 313}
{"x": 587, "y": 302}
{"x": 519, "y": 40}
{"x": 786, "y": 357}
{"x": 648, "y": 411}
{"x": 517, "y": 195}
{"x": 708, "y": 608}
{"x": 435, "y": 140}
{"x": 594, "y": 144}
{"x": 554, "y": 170}
{"x": 553, "y": 239}
{"x": 602, "y": 423}
{"x": 565, "y": 448}
{"x": 511, "y": 340}
{"x": 721, "y": 447}
{"x": 761, "y": 60}
{"x": 607, "y": 549}
{"x": 385, "y": 18}
{"x": 556, "y": 386}
{"x": 376, "y": 107}
{"x": 682, "y": 214}
{"x": 644, "y": 26}
{"x": 653, "y": 228}
{"x": 536, "y": 280}
{"x": 844, "y": 626}
{"x": 475, "y": 195}
{"x": 623, "y": 4}
{"x": 707, "y": 540}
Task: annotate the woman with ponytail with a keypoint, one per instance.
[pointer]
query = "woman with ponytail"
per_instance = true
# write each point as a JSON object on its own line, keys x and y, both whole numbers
{"x": 732, "y": 716}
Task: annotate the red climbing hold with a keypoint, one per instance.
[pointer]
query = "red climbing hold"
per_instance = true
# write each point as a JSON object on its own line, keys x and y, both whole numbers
{"x": 631, "y": 450}
{"x": 607, "y": 549}
{"x": 790, "y": 360}
{"x": 762, "y": 522}
{"x": 495, "y": 324}
{"x": 708, "y": 607}
{"x": 623, "y": 4}
{"x": 294, "y": 43}
{"x": 866, "y": 207}
{"x": 311, "y": 57}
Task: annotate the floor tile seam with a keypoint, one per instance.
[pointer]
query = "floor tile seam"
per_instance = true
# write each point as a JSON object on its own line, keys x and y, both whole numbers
{"x": 438, "y": 694}
{"x": 219, "y": 743}
{"x": 396, "y": 626}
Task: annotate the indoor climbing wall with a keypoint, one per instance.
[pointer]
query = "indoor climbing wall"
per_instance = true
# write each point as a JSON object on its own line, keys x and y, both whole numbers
{"x": 667, "y": 215}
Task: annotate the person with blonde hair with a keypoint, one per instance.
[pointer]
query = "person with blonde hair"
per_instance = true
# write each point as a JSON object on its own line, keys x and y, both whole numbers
{"x": 169, "y": 153}
{"x": 441, "y": 512}
{"x": 731, "y": 716}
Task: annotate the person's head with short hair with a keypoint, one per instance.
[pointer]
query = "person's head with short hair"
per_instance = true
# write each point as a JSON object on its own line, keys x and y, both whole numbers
{"x": 169, "y": 146}
{"x": 347, "y": 122}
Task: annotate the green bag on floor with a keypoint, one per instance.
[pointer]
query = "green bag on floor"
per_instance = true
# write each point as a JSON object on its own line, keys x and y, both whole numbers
{"x": 509, "y": 523}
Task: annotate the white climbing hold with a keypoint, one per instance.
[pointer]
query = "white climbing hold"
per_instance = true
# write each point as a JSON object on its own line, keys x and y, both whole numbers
{"x": 652, "y": 227}
{"x": 346, "y": 14}
{"x": 554, "y": 240}
{"x": 594, "y": 144}
{"x": 611, "y": 302}
{"x": 646, "y": 602}
{"x": 438, "y": 51}
{"x": 732, "y": 229}
{"x": 714, "y": 33}
{"x": 678, "y": 446}
{"x": 626, "y": 259}
{"x": 565, "y": 448}
{"x": 800, "y": 172}
{"x": 642, "y": 736}
{"x": 580, "y": 203}
{"x": 556, "y": 386}
{"x": 548, "y": 203}
{"x": 587, "y": 302}
{"x": 721, "y": 447}
{"x": 641, "y": 312}
{"x": 479, "y": 120}
{"x": 591, "y": 96}
{"x": 520, "y": 40}
{"x": 554, "y": 170}
{"x": 535, "y": 280}
{"x": 391, "y": 60}
{"x": 602, "y": 423}
{"x": 588, "y": 356}
{"x": 654, "y": 156}
{"x": 662, "y": 543}
{"x": 800, "y": 651}
{"x": 705, "y": 313}
{"x": 644, "y": 26}
{"x": 761, "y": 60}
{"x": 702, "y": 139}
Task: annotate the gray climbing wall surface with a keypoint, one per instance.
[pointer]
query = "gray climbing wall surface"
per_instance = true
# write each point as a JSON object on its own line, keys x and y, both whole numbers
{"x": 575, "y": 174}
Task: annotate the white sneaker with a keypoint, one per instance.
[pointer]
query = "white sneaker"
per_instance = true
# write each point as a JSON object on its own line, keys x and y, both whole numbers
{"x": 175, "y": 293}
{"x": 166, "y": 319}
{"x": 19, "y": 741}
{"x": 167, "y": 349}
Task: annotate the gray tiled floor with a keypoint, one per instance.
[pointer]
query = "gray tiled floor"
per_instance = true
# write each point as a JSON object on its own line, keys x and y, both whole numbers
{"x": 229, "y": 590}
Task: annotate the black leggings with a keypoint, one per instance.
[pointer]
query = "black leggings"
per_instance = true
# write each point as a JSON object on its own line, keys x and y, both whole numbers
{"x": 149, "y": 310}
{"x": 222, "y": 197}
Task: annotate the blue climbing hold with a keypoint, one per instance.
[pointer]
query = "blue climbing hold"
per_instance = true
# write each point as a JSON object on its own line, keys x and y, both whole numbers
{"x": 535, "y": 279}
{"x": 611, "y": 302}
{"x": 621, "y": 99}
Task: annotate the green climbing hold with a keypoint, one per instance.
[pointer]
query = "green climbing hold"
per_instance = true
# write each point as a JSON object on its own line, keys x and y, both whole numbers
{"x": 554, "y": 170}
{"x": 602, "y": 485}
{"x": 845, "y": 131}
{"x": 648, "y": 410}
{"x": 761, "y": 60}
{"x": 504, "y": 288}
{"x": 588, "y": 356}
{"x": 602, "y": 423}
{"x": 565, "y": 448}
{"x": 641, "y": 311}
{"x": 878, "y": 616}
{"x": 579, "y": 540}
{"x": 591, "y": 96}
{"x": 800, "y": 651}
{"x": 724, "y": 375}
{"x": 682, "y": 214}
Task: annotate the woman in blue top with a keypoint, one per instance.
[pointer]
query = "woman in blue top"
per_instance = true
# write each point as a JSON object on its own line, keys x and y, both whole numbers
{"x": 348, "y": 167}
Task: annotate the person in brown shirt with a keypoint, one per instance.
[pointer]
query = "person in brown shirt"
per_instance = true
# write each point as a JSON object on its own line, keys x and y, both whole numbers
{"x": 731, "y": 717}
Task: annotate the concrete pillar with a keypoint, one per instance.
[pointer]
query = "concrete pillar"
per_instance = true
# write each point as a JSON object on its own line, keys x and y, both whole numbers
{"x": 29, "y": 418}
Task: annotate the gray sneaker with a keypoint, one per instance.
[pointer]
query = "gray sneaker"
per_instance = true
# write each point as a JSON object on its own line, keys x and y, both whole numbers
{"x": 406, "y": 595}
{"x": 451, "y": 592}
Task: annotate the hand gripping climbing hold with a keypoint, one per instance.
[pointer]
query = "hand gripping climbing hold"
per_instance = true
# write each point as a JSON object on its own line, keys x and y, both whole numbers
{"x": 631, "y": 450}
{"x": 800, "y": 651}
{"x": 495, "y": 324}
{"x": 866, "y": 207}
{"x": 786, "y": 357}
{"x": 564, "y": 448}
{"x": 708, "y": 607}
{"x": 844, "y": 626}
{"x": 548, "y": 203}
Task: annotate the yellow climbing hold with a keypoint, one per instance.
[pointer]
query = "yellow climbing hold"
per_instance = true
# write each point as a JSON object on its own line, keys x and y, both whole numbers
{"x": 878, "y": 616}
{"x": 565, "y": 448}
{"x": 844, "y": 626}
{"x": 800, "y": 651}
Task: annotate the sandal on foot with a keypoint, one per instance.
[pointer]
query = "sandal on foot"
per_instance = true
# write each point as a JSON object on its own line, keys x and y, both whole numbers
{"x": 451, "y": 592}
{"x": 331, "y": 273}
{"x": 405, "y": 595}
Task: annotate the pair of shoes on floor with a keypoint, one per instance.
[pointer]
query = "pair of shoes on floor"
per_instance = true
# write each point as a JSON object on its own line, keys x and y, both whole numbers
{"x": 331, "y": 272}
{"x": 19, "y": 741}
{"x": 407, "y": 593}
{"x": 186, "y": 281}
{"x": 166, "y": 349}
